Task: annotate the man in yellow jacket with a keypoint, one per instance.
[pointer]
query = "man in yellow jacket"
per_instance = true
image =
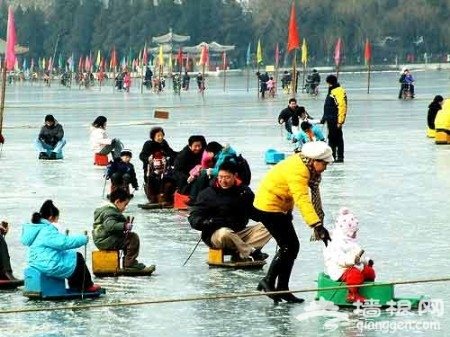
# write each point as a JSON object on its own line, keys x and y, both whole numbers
{"x": 334, "y": 113}
{"x": 286, "y": 185}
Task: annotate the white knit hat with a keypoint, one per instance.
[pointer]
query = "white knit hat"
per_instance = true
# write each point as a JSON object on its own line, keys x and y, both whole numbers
{"x": 346, "y": 222}
{"x": 318, "y": 150}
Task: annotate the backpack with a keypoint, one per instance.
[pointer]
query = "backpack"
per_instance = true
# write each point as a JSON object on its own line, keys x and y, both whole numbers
{"x": 243, "y": 168}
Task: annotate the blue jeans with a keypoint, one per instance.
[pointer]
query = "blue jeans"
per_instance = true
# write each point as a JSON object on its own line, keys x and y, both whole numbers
{"x": 44, "y": 147}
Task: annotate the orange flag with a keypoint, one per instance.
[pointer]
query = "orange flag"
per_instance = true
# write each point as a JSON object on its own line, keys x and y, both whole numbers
{"x": 293, "y": 37}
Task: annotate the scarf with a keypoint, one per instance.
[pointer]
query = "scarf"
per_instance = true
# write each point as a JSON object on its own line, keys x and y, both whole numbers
{"x": 313, "y": 184}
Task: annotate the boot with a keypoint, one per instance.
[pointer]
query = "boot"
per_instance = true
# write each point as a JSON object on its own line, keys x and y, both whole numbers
{"x": 283, "y": 283}
{"x": 353, "y": 296}
{"x": 268, "y": 282}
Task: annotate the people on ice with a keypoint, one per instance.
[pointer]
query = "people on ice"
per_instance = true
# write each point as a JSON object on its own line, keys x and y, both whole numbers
{"x": 50, "y": 139}
{"x": 53, "y": 253}
{"x": 345, "y": 260}
{"x": 100, "y": 142}
{"x": 222, "y": 211}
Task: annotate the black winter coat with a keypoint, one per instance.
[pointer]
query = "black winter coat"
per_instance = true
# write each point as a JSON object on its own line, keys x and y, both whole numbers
{"x": 216, "y": 207}
{"x": 151, "y": 147}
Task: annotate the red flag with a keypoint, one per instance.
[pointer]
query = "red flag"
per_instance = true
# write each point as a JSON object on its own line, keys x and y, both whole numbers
{"x": 277, "y": 56}
{"x": 337, "y": 52}
{"x": 11, "y": 41}
{"x": 293, "y": 37}
{"x": 204, "y": 55}
{"x": 80, "y": 64}
{"x": 367, "y": 52}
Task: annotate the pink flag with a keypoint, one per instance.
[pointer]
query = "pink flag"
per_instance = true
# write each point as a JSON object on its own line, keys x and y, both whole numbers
{"x": 337, "y": 52}
{"x": 50, "y": 64}
{"x": 11, "y": 41}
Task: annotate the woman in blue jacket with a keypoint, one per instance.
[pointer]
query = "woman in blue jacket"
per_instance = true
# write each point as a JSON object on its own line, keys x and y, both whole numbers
{"x": 53, "y": 253}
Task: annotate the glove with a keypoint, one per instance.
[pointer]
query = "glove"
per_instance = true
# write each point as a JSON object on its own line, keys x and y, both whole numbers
{"x": 370, "y": 263}
{"x": 321, "y": 233}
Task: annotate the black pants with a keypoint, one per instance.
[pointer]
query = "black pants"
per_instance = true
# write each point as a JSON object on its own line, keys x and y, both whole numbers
{"x": 281, "y": 228}
{"x": 5, "y": 264}
{"x": 81, "y": 277}
{"x": 336, "y": 140}
{"x": 120, "y": 179}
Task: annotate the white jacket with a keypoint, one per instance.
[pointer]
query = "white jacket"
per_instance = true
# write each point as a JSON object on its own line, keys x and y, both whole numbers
{"x": 340, "y": 255}
{"x": 99, "y": 139}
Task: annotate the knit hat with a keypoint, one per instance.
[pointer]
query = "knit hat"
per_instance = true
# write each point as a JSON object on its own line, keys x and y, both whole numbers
{"x": 319, "y": 151}
{"x": 346, "y": 222}
{"x": 126, "y": 152}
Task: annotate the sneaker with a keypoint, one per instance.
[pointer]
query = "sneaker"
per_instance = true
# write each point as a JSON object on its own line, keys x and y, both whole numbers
{"x": 93, "y": 288}
{"x": 258, "y": 255}
{"x": 43, "y": 155}
{"x": 53, "y": 155}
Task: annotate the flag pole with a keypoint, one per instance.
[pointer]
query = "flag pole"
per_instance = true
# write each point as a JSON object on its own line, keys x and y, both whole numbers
{"x": 224, "y": 70}
{"x": 257, "y": 78}
{"x": 2, "y": 102}
{"x": 304, "y": 73}
{"x": 294, "y": 77}
{"x": 248, "y": 77}
{"x": 368, "y": 78}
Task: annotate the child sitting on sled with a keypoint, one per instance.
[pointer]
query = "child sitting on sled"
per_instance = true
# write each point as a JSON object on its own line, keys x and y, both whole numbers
{"x": 344, "y": 258}
{"x": 122, "y": 172}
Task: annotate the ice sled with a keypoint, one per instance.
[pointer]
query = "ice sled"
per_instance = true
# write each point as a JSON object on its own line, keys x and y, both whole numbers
{"x": 43, "y": 287}
{"x": 382, "y": 293}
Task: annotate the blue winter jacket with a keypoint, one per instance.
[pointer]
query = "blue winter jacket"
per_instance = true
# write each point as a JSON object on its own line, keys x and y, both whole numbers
{"x": 51, "y": 252}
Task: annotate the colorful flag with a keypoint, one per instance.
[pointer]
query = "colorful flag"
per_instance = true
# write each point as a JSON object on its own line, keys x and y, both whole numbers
{"x": 277, "y": 56}
{"x": 248, "y": 59}
{"x": 145, "y": 56}
{"x": 337, "y": 52}
{"x": 87, "y": 64}
{"x": 50, "y": 64}
{"x": 367, "y": 52}
{"x": 180, "y": 58}
{"x": 293, "y": 37}
{"x": 170, "y": 62}
{"x": 187, "y": 66}
{"x": 60, "y": 61}
{"x": 98, "y": 60}
{"x": 113, "y": 58}
{"x": 11, "y": 41}
{"x": 259, "y": 57}
{"x": 161, "y": 56}
{"x": 304, "y": 52}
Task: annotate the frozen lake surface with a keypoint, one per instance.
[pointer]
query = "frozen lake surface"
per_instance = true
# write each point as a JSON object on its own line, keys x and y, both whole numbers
{"x": 394, "y": 179}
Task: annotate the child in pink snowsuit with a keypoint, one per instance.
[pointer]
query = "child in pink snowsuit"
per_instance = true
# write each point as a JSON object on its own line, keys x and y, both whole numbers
{"x": 344, "y": 258}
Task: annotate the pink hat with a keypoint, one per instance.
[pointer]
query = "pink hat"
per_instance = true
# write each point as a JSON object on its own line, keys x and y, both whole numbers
{"x": 346, "y": 222}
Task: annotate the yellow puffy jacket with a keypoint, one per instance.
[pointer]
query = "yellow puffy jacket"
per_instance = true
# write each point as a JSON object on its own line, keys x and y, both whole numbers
{"x": 442, "y": 121}
{"x": 283, "y": 186}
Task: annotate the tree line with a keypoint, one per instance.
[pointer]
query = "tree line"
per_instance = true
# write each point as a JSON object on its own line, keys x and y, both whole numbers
{"x": 397, "y": 29}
